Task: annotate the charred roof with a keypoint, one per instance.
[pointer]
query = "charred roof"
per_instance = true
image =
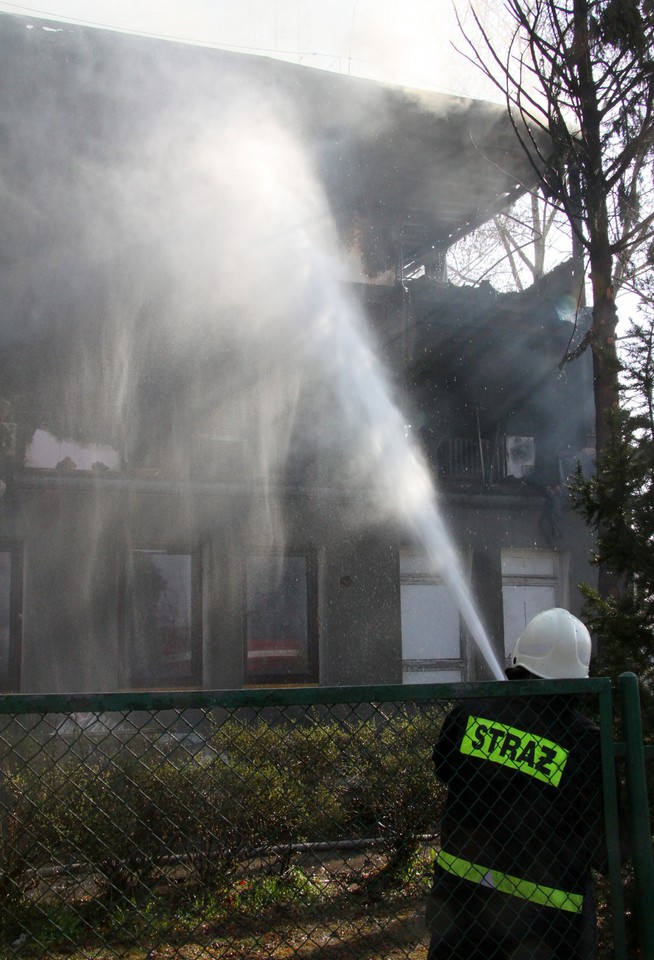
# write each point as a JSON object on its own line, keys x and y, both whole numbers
{"x": 408, "y": 170}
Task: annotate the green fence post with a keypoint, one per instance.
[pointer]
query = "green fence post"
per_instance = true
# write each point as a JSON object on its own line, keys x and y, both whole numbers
{"x": 639, "y": 819}
{"x": 612, "y": 818}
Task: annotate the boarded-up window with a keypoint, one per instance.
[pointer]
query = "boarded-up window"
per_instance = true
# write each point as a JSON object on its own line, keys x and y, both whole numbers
{"x": 431, "y": 632}
{"x": 530, "y": 584}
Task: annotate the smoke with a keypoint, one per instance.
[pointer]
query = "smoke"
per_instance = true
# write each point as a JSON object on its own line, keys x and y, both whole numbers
{"x": 177, "y": 253}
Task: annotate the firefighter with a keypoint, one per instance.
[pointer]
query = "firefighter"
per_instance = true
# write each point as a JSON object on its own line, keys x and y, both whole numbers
{"x": 522, "y": 825}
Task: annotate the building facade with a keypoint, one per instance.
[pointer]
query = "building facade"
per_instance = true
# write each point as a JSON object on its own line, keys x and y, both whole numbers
{"x": 189, "y": 496}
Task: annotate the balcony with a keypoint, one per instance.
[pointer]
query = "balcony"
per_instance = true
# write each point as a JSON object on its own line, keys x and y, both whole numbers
{"x": 485, "y": 461}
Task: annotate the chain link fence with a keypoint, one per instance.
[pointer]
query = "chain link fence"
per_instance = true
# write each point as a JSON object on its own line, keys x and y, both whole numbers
{"x": 262, "y": 824}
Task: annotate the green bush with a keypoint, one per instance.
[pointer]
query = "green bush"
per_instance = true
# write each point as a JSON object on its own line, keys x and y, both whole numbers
{"x": 147, "y": 817}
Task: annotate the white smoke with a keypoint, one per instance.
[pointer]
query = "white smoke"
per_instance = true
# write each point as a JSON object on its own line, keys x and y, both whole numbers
{"x": 195, "y": 267}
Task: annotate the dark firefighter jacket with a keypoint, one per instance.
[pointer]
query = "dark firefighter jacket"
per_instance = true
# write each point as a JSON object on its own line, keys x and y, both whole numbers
{"x": 524, "y": 805}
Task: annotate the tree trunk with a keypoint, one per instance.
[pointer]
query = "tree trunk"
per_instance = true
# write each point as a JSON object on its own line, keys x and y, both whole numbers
{"x": 594, "y": 191}
{"x": 605, "y": 357}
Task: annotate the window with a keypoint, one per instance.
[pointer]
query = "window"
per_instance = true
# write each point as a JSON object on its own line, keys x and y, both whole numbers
{"x": 431, "y": 632}
{"x": 11, "y": 609}
{"x": 281, "y": 619}
{"x": 162, "y": 635}
{"x": 531, "y": 582}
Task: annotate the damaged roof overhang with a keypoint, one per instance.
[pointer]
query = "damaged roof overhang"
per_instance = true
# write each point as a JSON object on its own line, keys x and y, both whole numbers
{"x": 415, "y": 170}
{"x": 424, "y": 168}
{"x": 495, "y": 350}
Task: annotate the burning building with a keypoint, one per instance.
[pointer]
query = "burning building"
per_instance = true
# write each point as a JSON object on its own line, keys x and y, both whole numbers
{"x": 231, "y": 359}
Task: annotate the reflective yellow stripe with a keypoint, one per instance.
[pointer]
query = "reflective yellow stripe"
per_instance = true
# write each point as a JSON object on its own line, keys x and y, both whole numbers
{"x": 505, "y": 883}
{"x": 526, "y": 752}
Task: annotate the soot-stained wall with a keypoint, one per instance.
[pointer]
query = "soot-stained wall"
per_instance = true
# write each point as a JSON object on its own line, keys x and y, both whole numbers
{"x": 484, "y": 365}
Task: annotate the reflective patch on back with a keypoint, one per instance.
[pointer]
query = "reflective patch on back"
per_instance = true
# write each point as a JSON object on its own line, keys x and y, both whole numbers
{"x": 526, "y": 752}
{"x": 488, "y": 880}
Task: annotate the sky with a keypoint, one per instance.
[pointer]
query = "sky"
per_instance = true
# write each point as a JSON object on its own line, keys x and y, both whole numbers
{"x": 407, "y": 42}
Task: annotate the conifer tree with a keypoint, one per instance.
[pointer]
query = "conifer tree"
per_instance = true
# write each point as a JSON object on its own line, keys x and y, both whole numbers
{"x": 618, "y": 504}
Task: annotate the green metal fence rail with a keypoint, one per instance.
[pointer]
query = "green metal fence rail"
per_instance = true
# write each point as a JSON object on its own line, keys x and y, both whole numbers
{"x": 260, "y": 824}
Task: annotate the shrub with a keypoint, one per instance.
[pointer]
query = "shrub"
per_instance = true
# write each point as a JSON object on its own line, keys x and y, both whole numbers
{"x": 145, "y": 818}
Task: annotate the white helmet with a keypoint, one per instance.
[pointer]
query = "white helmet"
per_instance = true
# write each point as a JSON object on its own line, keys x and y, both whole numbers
{"x": 554, "y": 645}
